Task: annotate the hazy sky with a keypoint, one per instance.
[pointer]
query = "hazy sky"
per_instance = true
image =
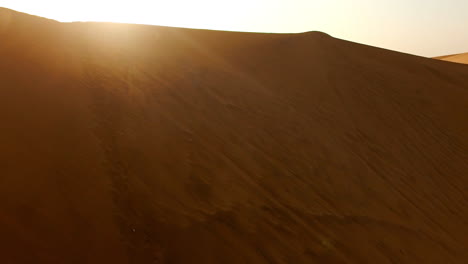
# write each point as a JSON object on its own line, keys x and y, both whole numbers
{"x": 422, "y": 27}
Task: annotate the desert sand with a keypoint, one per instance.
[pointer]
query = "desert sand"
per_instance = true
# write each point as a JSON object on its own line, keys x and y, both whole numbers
{"x": 144, "y": 144}
{"x": 458, "y": 58}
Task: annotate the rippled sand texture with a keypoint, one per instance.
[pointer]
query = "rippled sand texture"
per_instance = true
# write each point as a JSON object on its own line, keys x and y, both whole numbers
{"x": 144, "y": 144}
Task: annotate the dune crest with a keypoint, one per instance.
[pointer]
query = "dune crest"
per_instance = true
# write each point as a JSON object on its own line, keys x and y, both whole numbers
{"x": 144, "y": 144}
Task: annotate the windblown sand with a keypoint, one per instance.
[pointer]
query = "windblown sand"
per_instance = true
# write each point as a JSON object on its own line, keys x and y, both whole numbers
{"x": 143, "y": 144}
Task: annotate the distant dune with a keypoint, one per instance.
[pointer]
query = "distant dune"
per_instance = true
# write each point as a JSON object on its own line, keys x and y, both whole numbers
{"x": 144, "y": 144}
{"x": 459, "y": 58}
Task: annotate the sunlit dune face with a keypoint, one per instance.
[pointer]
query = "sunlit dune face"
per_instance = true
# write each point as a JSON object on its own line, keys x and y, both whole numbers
{"x": 118, "y": 39}
{"x": 5, "y": 17}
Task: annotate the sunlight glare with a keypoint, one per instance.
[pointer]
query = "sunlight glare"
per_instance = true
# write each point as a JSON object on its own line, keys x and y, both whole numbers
{"x": 197, "y": 14}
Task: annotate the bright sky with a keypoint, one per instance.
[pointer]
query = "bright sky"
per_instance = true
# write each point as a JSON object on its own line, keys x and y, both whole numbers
{"x": 422, "y": 27}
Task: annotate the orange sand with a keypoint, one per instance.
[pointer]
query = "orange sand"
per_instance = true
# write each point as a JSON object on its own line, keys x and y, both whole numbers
{"x": 143, "y": 144}
{"x": 458, "y": 58}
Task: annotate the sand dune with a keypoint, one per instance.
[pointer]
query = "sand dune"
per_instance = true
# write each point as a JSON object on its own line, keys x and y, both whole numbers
{"x": 144, "y": 144}
{"x": 459, "y": 58}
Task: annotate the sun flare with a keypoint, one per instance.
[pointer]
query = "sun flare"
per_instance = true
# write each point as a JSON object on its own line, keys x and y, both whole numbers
{"x": 210, "y": 14}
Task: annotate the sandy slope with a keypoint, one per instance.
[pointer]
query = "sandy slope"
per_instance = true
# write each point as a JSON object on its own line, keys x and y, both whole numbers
{"x": 459, "y": 58}
{"x": 142, "y": 144}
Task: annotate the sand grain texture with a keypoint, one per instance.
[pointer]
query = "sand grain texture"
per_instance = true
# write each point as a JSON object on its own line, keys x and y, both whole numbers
{"x": 144, "y": 144}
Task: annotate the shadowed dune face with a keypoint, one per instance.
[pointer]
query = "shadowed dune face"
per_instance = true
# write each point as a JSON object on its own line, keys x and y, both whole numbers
{"x": 143, "y": 144}
{"x": 458, "y": 58}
